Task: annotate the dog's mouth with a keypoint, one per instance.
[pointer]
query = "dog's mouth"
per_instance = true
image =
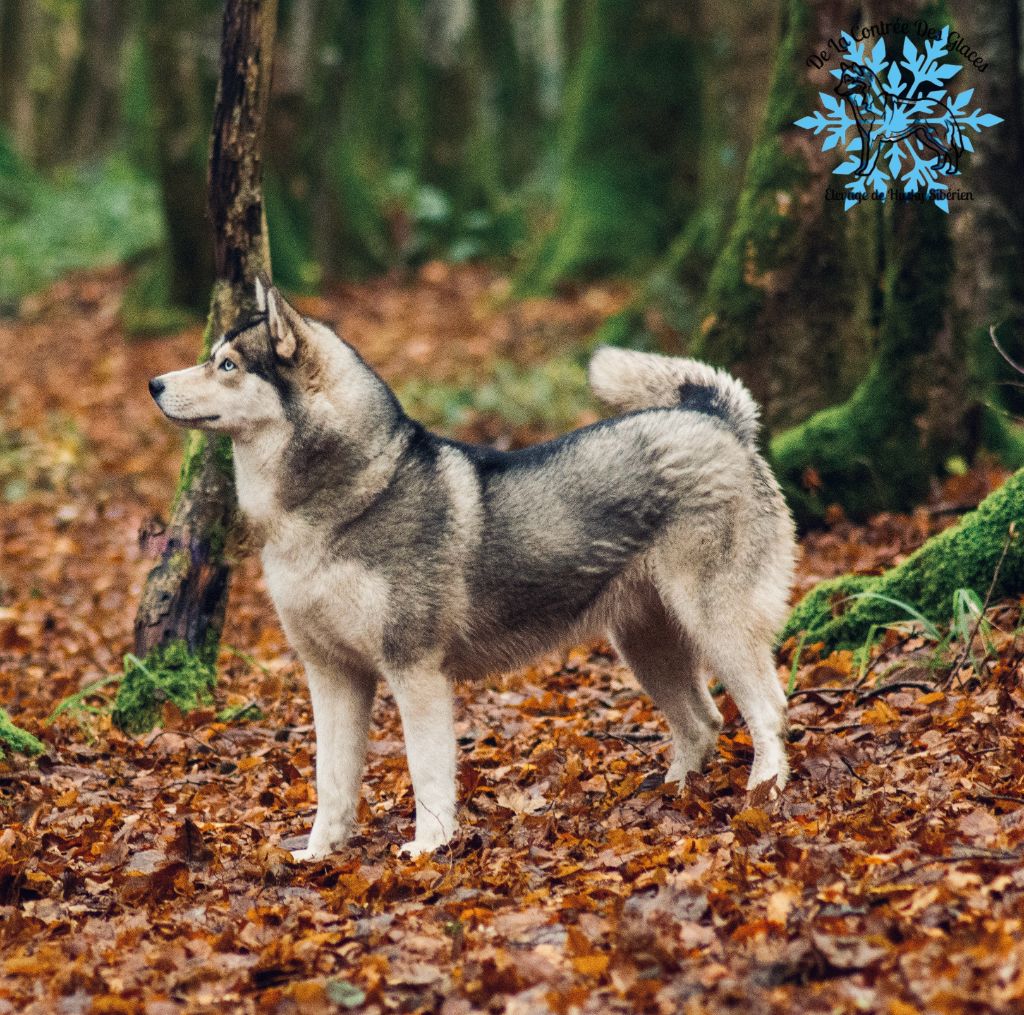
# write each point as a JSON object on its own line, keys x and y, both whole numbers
{"x": 191, "y": 420}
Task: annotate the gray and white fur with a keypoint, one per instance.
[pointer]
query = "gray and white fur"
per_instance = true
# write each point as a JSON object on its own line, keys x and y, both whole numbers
{"x": 392, "y": 552}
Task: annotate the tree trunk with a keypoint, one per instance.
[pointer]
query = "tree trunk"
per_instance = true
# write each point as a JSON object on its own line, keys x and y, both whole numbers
{"x": 177, "y": 628}
{"x": 990, "y": 283}
{"x": 92, "y": 119}
{"x": 734, "y": 67}
{"x": 628, "y": 145}
{"x": 19, "y": 26}
{"x": 880, "y": 448}
{"x": 984, "y": 551}
{"x": 788, "y": 306}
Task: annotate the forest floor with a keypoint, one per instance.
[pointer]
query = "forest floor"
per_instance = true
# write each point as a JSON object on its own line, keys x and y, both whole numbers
{"x": 151, "y": 874}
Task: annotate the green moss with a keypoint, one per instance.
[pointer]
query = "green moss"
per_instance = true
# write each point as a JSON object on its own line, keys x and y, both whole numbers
{"x": 964, "y": 557}
{"x": 169, "y": 673}
{"x": 15, "y": 739}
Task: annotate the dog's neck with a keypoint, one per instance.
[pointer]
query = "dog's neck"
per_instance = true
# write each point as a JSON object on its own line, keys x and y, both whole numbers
{"x": 291, "y": 476}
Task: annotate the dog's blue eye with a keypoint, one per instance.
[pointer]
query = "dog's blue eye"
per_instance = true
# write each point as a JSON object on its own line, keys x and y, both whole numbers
{"x": 226, "y": 364}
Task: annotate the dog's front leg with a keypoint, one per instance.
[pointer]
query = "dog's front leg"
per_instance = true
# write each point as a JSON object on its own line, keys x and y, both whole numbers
{"x": 424, "y": 697}
{"x": 341, "y": 715}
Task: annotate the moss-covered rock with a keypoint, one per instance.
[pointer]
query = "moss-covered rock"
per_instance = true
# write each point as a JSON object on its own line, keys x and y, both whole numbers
{"x": 15, "y": 739}
{"x": 967, "y": 556}
{"x": 169, "y": 673}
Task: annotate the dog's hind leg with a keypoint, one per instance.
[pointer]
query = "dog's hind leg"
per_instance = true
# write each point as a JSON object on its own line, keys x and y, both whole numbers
{"x": 341, "y": 715}
{"x": 665, "y": 662}
{"x": 737, "y": 649}
{"x": 424, "y": 697}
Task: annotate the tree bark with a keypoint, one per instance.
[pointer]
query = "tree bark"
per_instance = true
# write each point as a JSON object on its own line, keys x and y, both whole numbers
{"x": 984, "y": 552}
{"x": 990, "y": 283}
{"x": 788, "y": 306}
{"x": 880, "y": 448}
{"x": 177, "y": 628}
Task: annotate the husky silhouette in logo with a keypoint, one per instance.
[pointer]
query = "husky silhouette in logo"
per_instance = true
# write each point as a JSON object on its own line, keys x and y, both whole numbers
{"x": 884, "y": 118}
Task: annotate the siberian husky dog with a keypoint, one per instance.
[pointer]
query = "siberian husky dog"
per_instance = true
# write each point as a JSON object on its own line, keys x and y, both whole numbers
{"x": 391, "y": 552}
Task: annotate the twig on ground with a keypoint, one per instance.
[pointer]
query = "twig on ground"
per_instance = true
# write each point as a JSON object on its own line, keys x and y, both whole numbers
{"x": 957, "y": 855}
{"x": 894, "y": 685}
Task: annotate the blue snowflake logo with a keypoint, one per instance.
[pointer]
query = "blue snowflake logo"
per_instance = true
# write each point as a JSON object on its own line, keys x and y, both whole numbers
{"x": 897, "y": 121}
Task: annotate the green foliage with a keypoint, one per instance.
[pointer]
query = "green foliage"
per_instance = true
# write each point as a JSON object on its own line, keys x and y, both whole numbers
{"x": 85, "y": 218}
{"x": 551, "y": 396}
{"x": 17, "y": 181}
{"x": 16, "y": 739}
{"x": 169, "y": 673}
{"x": 951, "y": 571}
{"x": 148, "y": 307}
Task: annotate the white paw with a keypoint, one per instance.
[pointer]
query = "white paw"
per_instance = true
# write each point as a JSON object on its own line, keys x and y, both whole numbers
{"x": 420, "y": 846}
{"x": 302, "y": 855}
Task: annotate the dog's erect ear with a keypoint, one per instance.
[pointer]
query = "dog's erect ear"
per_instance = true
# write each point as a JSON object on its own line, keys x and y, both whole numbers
{"x": 263, "y": 283}
{"x": 284, "y": 324}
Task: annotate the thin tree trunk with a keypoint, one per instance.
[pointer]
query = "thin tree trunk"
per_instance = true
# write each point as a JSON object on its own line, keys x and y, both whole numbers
{"x": 19, "y": 25}
{"x": 178, "y": 625}
{"x": 628, "y": 146}
{"x": 92, "y": 117}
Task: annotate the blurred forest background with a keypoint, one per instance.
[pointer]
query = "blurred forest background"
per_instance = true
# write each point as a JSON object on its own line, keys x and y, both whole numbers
{"x": 650, "y": 143}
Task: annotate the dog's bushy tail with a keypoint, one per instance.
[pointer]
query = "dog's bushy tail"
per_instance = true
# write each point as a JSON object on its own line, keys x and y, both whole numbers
{"x": 628, "y": 381}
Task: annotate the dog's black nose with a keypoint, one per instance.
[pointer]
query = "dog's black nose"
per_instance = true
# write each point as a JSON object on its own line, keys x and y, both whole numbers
{"x": 156, "y": 386}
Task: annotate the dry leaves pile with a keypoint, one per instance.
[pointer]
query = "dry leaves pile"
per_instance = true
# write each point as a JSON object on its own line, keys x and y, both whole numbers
{"x": 151, "y": 875}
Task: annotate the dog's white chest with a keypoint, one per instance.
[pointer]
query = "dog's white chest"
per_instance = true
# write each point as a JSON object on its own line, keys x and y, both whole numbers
{"x": 325, "y": 605}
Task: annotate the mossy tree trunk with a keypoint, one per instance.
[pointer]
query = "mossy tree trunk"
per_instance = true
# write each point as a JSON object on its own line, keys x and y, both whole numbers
{"x": 984, "y": 551}
{"x": 880, "y": 448}
{"x": 665, "y": 310}
{"x": 788, "y": 306}
{"x": 628, "y": 144}
{"x": 990, "y": 282}
{"x": 177, "y": 628}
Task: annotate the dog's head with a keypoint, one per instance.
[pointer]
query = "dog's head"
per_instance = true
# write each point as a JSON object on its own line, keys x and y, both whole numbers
{"x": 854, "y": 80}
{"x": 253, "y": 372}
